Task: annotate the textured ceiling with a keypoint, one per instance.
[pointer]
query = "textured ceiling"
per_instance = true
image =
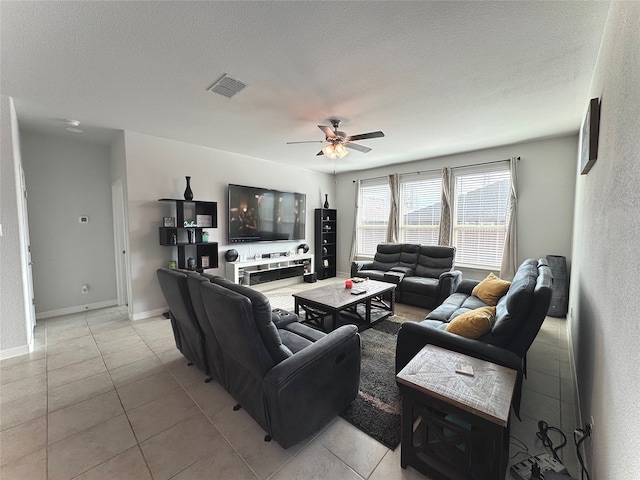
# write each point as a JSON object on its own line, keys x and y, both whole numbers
{"x": 436, "y": 77}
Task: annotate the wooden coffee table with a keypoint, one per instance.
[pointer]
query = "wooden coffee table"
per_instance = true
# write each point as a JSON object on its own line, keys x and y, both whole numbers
{"x": 455, "y": 426}
{"x": 377, "y": 301}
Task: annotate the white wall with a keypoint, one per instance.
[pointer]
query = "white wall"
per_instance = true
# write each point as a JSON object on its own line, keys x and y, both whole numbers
{"x": 66, "y": 179}
{"x": 606, "y": 256}
{"x": 545, "y": 195}
{"x": 156, "y": 168}
{"x": 14, "y": 334}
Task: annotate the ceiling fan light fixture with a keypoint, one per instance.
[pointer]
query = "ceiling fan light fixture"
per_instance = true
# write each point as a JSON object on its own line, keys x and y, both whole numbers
{"x": 334, "y": 151}
{"x": 329, "y": 151}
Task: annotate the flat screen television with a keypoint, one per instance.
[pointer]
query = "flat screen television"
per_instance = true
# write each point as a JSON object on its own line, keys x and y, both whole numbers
{"x": 265, "y": 215}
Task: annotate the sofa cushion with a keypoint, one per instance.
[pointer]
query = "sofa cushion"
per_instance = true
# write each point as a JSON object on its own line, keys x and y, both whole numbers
{"x": 293, "y": 341}
{"x": 373, "y": 274}
{"x": 474, "y": 323}
{"x": 434, "y": 260}
{"x": 422, "y": 285}
{"x": 390, "y": 255}
{"x": 456, "y": 304}
{"x": 491, "y": 289}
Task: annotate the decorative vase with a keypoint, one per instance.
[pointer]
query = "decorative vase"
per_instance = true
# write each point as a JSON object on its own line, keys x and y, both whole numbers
{"x": 326, "y": 200}
{"x": 188, "y": 194}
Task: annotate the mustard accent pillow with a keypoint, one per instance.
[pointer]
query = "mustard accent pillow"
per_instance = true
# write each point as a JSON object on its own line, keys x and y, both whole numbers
{"x": 491, "y": 289}
{"x": 474, "y": 323}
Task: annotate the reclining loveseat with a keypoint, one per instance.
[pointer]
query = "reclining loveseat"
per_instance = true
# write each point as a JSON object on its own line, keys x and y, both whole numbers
{"x": 424, "y": 273}
{"x": 520, "y": 308}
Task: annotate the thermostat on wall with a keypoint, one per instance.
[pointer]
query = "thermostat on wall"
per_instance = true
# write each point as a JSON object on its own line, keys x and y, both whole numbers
{"x": 83, "y": 219}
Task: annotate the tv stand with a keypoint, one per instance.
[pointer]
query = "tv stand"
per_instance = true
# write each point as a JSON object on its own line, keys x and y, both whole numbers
{"x": 262, "y": 270}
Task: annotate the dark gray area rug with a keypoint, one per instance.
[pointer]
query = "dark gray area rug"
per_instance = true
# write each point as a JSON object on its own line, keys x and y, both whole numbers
{"x": 376, "y": 410}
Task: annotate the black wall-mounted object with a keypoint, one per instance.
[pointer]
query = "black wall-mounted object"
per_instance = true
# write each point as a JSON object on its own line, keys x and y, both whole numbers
{"x": 264, "y": 215}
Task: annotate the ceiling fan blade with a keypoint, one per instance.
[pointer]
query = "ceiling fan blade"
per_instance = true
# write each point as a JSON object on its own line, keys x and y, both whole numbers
{"x": 364, "y": 136}
{"x": 307, "y": 141}
{"x": 355, "y": 146}
{"x": 327, "y": 131}
{"x": 319, "y": 153}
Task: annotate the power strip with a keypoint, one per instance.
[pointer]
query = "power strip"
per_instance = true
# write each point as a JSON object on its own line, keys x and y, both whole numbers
{"x": 546, "y": 462}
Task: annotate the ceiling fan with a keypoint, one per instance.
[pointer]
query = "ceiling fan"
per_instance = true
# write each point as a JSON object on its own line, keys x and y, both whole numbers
{"x": 339, "y": 141}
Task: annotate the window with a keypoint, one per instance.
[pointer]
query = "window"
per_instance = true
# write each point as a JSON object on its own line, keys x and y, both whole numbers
{"x": 420, "y": 209}
{"x": 373, "y": 215}
{"x": 481, "y": 199}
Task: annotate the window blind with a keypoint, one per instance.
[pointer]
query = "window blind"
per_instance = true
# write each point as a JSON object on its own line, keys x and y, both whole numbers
{"x": 420, "y": 205}
{"x": 480, "y": 216}
{"x": 373, "y": 217}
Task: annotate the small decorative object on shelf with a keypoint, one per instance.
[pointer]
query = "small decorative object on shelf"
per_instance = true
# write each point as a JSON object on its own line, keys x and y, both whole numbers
{"x": 191, "y": 263}
{"x": 204, "y": 260}
{"x": 231, "y": 255}
{"x": 172, "y": 264}
{"x": 326, "y": 200}
{"x": 188, "y": 194}
{"x": 325, "y": 242}
{"x": 187, "y": 234}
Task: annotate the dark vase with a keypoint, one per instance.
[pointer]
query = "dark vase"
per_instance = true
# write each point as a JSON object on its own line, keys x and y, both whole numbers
{"x": 188, "y": 194}
{"x": 326, "y": 200}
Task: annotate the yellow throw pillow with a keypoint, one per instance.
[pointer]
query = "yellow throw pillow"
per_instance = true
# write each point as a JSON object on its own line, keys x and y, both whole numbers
{"x": 474, "y": 323}
{"x": 491, "y": 289}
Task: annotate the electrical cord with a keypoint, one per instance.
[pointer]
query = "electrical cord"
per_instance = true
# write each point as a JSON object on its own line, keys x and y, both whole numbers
{"x": 521, "y": 445}
{"x": 578, "y": 442}
{"x": 543, "y": 435}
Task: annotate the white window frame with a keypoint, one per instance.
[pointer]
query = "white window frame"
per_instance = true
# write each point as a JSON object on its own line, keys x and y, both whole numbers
{"x": 498, "y": 224}
{"x": 367, "y": 207}
{"x": 412, "y": 204}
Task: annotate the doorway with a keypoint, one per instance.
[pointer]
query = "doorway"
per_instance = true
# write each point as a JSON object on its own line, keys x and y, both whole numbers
{"x": 120, "y": 241}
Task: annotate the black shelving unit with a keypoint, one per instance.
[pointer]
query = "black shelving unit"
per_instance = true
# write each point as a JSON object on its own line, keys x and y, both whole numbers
{"x": 188, "y": 240}
{"x": 325, "y": 242}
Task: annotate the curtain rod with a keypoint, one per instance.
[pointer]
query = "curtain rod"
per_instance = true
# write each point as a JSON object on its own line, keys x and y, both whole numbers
{"x": 436, "y": 170}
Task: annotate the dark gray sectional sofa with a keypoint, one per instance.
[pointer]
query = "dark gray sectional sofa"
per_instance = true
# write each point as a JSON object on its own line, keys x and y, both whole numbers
{"x": 424, "y": 273}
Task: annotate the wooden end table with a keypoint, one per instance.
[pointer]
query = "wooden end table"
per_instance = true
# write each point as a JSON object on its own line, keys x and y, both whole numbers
{"x": 455, "y": 426}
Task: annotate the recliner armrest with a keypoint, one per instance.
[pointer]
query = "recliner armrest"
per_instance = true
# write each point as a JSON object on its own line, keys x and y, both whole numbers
{"x": 413, "y": 336}
{"x": 358, "y": 265}
{"x": 282, "y": 318}
{"x": 466, "y": 285}
{"x": 314, "y": 385}
{"x": 448, "y": 283}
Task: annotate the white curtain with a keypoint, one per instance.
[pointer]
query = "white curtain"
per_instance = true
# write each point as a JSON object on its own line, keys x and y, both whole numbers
{"x": 444, "y": 235}
{"x": 354, "y": 239}
{"x": 509, "y": 255}
{"x": 393, "y": 229}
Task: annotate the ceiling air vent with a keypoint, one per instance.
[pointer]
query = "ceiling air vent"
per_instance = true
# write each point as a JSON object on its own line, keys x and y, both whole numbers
{"x": 227, "y": 86}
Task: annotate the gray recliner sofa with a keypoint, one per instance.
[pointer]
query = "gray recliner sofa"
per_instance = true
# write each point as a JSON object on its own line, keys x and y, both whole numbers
{"x": 520, "y": 313}
{"x": 187, "y": 332}
{"x": 424, "y": 273}
{"x": 290, "y": 378}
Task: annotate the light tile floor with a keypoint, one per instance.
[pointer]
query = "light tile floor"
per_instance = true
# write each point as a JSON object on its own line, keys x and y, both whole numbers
{"x": 104, "y": 397}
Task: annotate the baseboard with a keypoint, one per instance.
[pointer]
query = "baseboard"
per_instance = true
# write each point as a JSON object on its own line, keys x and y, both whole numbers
{"x": 574, "y": 375}
{"x": 14, "y": 352}
{"x": 76, "y": 309}
{"x": 151, "y": 313}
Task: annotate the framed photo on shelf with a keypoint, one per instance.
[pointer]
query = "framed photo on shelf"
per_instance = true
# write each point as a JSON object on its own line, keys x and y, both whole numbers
{"x": 204, "y": 221}
{"x": 589, "y": 134}
{"x": 204, "y": 261}
{"x": 168, "y": 221}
